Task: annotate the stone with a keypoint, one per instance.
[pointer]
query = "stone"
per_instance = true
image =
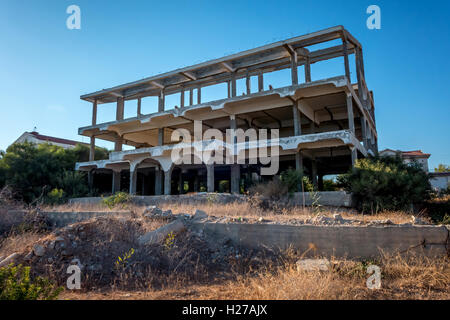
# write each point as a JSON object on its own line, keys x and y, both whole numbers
{"x": 51, "y": 245}
{"x": 9, "y": 259}
{"x": 160, "y": 234}
{"x": 152, "y": 211}
{"x": 337, "y": 216}
{"x": 313, "y": 265}
{"x": 38, "y": 250}
{"x": 417, "y": 220}
{"x": 29, "y": 256}
{"x": 200, "y": 214}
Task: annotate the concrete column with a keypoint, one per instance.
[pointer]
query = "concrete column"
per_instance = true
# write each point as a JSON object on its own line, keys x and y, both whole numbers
{"x": 364, "y": 131}
{"x": 133, "y": 180}
{"x": 294, "y": 70}
{"x": 307, "y": 69}
{"x": 167, "y": 181}
{"x": 138, "y": 111}
{"x": 182, "y": 98}
{"x": 354, "y": 156}
{"x": 248, "y": 84}
{"x": 297, "y": 119}
{"x": 94, "y": 122}
{"x": 320, "y": 182}
{"x": 115, "y": 181}
{"x": 260, "y": 82}
{"x": 180, "y": 182}
{"x": 161, "y": 101}
{"x": 351, "y": 120}
{"x": 191, "y": 97}
{"x": 119, "y": 116}
{"x": 233, "y": 84}
{"x": 358, "y": 73}
{"x": 299, "y": 167}
{"x": 235, "y": 178}
{"x": 346, "y": 63}
{"x": 158, "y": 181}
{"x": 314, "y": 173}
{"x": 160, "y": 136}
{"x": 199, "y": 95}
{"x": 210, "y": 177}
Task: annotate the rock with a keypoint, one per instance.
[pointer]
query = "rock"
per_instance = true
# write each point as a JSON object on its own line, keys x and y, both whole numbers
{"x": 51, "y": 245}
{"x": 9, "y": 259}
{"x": 152, "y": 211}
{"x": 416, "y": 220}
{"x": 38, "y": 250}
{"x": 313, "y": 265}
{"x": 50, "y": 260}
{"x": 58, "y": 239}
{"x": 337, "y": 216}
{"x": 29, "y": 256}
{"x": 160, "y": 234}
{"x": 261, "y": 219}
{"x": 200, "y": 214}
{"x": 77, "y": 262}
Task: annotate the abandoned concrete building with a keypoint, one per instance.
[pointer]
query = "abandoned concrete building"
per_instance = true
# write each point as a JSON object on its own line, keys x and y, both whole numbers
{"x": 325, "y": 122}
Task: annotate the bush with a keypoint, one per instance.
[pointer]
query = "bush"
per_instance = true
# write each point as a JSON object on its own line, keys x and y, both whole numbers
{"x": 293, "y": 179}
{"x": 118, "y": 199}
{"x": 56, "y": 196}
{"x": 16, "y": 284}
{"x": 386, "y": 183}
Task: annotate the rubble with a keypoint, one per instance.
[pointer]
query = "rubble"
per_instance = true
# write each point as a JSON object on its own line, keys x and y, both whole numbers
{"x": 313, "y": 265}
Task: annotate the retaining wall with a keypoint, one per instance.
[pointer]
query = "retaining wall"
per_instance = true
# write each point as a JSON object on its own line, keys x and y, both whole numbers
{"x": 338, "y": 241}
{"x": 61, "y": 219}
{"x": 332, "y": 198}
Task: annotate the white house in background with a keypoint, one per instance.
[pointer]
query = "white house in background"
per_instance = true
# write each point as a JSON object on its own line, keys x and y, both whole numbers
{"x": 440, "y": 180}
{"x": 36, "y": 138}
{"x": 409, "y": 156}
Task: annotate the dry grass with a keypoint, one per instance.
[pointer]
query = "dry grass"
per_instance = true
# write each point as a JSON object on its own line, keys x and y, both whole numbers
{"x": 18, "y": 242}
{"x": 402, "y": 278}
{"x": 242, "y": 209}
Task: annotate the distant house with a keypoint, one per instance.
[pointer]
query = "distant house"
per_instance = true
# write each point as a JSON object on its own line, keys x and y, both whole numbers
{"x": 440, "y": 180}
{"x": 36, "y": 138}
{"x": 409, "y": 156}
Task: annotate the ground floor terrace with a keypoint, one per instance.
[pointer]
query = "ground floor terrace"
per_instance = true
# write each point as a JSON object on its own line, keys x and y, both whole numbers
{"x": 151, "y": 171}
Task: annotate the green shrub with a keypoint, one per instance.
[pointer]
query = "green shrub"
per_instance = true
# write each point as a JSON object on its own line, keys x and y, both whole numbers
{"x": 293, "y": 180}
{"x": 118, "y": 199}
{"x": 386, "y": 183}
{"x": 55, "y": 196}
{"x": 17, "y": 284}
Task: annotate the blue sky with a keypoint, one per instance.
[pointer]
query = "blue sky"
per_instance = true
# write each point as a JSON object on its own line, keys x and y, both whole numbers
{"x": 45, "y": 67}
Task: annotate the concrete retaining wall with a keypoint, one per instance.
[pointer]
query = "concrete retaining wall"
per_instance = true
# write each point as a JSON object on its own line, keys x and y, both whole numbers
{"x": 333, "y": 199}
{"x": 61, "y": 219}
{"x": 338, "y": 241}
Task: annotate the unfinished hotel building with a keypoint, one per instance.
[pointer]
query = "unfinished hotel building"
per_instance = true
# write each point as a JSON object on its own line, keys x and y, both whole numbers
{"x": 324, "y": 125}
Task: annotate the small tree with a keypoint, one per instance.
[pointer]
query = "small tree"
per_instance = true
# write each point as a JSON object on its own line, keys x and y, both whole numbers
{"x": 386, "y": 183}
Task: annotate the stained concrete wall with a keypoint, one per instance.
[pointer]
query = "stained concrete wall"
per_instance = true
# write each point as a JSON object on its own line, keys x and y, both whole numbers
{"x": 332, "y": 198}
{"x": 337, "y": 241}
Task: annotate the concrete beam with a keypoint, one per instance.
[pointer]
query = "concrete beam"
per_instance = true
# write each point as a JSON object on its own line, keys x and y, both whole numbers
{"x": 210, "y": 177}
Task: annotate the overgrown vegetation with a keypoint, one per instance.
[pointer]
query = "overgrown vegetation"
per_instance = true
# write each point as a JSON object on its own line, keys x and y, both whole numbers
{"x": 42, "y": 171}
{"x": 386, "y": 183}
{"x": 119, "y": 199}
{"x": 17, "y": 284}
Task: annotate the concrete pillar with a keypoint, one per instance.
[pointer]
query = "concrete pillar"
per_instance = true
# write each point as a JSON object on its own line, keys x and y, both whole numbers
{"x": 160, "y": 136}
{"x": 354, "y": 156}
{"x": 133, "y": 180}
{"x": 199, "y": 95}
{"x": 182, "y": 98}
{"x": 260, "y": 82}
{"x": 233, "y": 84}
{"x": 138, "y": 111}
{"x": 299, "y": 167}
{"x": 307, "y": 69}
{"x": 320, "y": 182}
{"x": 161, "y": 101}
{"x": 364, "y": 131}
{"x": 351, "y": 120}
{"x": 167, "y": 181}
{"x": 210, "y": 177}
{"x": 180, "y": 183}
{"x": 235, "y": 178}
{"x": 191, "y": 97}
{"x": 294, "y": 70}
{"x": 119, "y": 116}
{"x": 314, "y": 173}
{"x": 115, "y": 181}
{"x": 248, "y": 84}
{"x": 94, "y": 122}
{"x": 346, "y": 63}
{"x": 297, "y": 119}
{"x": 158, "y": 181}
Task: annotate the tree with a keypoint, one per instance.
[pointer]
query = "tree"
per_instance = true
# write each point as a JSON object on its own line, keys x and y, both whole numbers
{"x": 31, "y": 170}
{"x": 386, "y": 183}
{"x": 442, "y": 168}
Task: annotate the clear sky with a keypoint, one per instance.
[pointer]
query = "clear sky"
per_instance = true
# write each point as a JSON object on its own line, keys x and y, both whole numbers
{"x": 45, "y": 67}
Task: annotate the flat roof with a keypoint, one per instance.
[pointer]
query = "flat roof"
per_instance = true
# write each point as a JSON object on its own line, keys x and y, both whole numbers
{"x": 264, "y": 58}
